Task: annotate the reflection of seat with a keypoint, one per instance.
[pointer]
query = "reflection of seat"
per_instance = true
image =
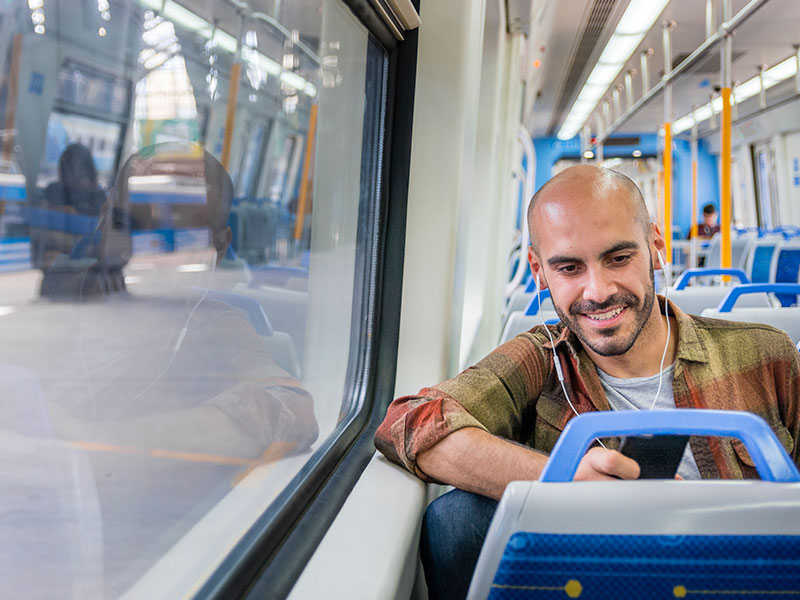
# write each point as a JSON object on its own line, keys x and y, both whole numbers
{"x": 51, "y": 522}
{"x": 286, "y": 309}
{"x": 278, "y": 343}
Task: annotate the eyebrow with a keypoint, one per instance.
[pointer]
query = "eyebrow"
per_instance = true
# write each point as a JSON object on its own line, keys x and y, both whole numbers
{"x": 560, "y": 258}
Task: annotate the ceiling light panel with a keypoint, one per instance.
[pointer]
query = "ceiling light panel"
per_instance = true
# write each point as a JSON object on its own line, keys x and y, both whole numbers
{"x": 632, "y": 27}
{"x": 773, "y": 76}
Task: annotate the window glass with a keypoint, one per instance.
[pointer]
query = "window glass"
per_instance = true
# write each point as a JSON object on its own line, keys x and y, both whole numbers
{"x": 187, "y": 233}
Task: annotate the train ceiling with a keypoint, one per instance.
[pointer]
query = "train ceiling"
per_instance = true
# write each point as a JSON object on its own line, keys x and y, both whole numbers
{"x": 562, "y": 50}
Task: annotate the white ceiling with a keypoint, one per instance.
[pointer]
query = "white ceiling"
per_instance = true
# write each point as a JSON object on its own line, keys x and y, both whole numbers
{"x": 766, "y": 38}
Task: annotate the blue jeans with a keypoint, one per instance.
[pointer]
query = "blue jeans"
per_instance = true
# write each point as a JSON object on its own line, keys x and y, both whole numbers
{"x": 453, "y": 530}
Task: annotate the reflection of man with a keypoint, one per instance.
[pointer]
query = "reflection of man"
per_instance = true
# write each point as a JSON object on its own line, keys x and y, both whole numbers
{"x": 595, "y": 249}
{"x": 178, "y": 371}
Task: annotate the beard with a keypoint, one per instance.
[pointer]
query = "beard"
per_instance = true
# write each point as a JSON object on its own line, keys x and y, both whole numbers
{"x": 610, "y": 341}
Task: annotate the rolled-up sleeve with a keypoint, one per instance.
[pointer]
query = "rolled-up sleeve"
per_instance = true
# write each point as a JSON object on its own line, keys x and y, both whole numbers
{"x": 494, "y": 395}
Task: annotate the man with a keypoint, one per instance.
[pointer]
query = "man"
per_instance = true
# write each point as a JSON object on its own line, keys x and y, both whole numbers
{"x": 709, "y": 225}
{"x": 595, "y": 249}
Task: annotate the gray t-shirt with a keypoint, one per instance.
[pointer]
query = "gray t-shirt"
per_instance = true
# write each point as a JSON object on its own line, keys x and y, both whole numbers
{"x": 637, "y": 393}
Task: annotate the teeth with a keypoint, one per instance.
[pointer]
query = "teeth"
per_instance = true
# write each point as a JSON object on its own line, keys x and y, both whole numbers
{"x": 606, "y": 315}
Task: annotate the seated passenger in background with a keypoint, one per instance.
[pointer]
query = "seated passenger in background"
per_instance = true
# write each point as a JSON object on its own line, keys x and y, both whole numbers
{"x": 709, "y": 226}
{"x": 64, "y": 232}
{"x": 594, "y": 247}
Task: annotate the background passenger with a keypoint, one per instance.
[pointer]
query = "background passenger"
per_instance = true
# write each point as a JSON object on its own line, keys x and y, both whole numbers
{"x": 64, "y": 232}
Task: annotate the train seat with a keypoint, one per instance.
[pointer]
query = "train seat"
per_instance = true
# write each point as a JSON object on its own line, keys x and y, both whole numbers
{"x": 784, "y": 318}
{"x": 519, "y": 321}
{"x": 646, "y": 539}
{"x": 758, "y": 262}
{"x": 695, "y": 299}
{"x": 785, "y": 268}
{"x": 522, "y": 297}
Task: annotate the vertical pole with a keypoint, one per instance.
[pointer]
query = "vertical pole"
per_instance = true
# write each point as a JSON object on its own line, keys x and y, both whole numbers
{"x": 230, "y": 114}
{"x": 710, "y": 25}
{"x": 797, "y": 66}
{"x": 725, "y": 155}
{"x": 303, "y": 200}
{"x": 599, "y": 154}
{"x": 762, "y": 91}
{"x": 617, "y": 103}
{"x": 11, "y": 97}
{"x": 667, "y": 27}
{"x": 643, "y": 57}
{"x": 693, "y": 233}
{"x": 233, "y": 92}
{"x": 629, "y": 89}
{"x": 584, "y": 144}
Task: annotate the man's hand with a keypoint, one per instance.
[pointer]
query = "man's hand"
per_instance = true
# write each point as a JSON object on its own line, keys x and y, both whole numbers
{"x": 600, "y": 464}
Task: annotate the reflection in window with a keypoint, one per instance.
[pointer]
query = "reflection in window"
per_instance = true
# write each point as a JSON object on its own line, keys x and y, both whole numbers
{"x": 184, "y": 218}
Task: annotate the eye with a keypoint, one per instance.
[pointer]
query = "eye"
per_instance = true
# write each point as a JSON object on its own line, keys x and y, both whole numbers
{"x": 568, "y": 269}
{"x": 620, "y": 259}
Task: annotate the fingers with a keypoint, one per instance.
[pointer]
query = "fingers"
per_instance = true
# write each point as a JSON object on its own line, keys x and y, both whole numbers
{"x": 603, "y": 464}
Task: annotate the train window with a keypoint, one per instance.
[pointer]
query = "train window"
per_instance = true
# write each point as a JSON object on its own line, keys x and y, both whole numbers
{"x": 188, "y": 230}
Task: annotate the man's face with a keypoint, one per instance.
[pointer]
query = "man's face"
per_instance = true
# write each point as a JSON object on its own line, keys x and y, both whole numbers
{"x": 710, "y": 219}
{"x": 596, "y": 259}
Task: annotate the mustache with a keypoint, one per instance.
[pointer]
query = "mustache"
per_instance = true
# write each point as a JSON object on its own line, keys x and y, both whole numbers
{"x": 619, "y": 299}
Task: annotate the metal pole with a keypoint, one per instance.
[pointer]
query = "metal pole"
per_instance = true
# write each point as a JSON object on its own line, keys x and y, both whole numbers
{"x": 693, "y": 233}
{"x": 643, "y": 60}
{"x": 710, "y": 25}
{"x": 712, "y": 118}
{"x": 725, "y": 155}
{"x": 665, "y": 38}
{"x": 617, "y": 103}
{"x": 629, "y": 88}
{"x": 762, "y": 91}
{"x": 584, "y": 143}
{"x": 797, "y": 66}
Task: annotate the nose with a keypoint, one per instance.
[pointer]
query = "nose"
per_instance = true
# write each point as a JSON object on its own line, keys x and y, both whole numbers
{"x": 599, "y": 285}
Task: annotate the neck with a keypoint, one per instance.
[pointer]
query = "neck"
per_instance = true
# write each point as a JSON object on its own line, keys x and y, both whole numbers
{"x": 644, "y": 357}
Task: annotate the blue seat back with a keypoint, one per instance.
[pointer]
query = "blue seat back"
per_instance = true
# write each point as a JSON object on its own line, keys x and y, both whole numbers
{"x": 762, "y": 259}
{"x": 786, "y": 271}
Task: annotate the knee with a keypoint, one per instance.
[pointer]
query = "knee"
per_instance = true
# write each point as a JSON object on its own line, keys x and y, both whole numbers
{"x": 456, "y": 520}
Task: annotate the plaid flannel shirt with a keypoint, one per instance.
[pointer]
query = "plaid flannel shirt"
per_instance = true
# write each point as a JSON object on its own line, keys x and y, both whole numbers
{"x": 514, "y": 392}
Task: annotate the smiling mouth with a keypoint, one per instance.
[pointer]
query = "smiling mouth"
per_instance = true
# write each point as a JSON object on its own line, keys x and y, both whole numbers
{"x": 606, "y": 316}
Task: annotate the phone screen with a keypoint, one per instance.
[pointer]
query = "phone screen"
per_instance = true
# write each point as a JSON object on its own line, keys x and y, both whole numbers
{"x": 658, "y": 456}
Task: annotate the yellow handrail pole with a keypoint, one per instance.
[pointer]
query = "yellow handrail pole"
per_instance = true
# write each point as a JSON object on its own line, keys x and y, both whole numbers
{"x": 668, "y": 189}
{"x": 725, "y": 153}
{"x": 667, "y": 27}
{"x": 11, "y": 96}
{"x": 230, "y": 114}
{"x": 303, "y": 200}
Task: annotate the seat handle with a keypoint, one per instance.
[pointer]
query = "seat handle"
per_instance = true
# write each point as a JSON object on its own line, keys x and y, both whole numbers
{"x": 688, "y": 274}
{"x": 726, "y": 304}
{"x": 533, "y": 306}
{"x": 769, "y": 456}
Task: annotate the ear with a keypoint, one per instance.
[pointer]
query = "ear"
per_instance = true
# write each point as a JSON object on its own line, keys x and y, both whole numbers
{"x": 536, "y": 268}
{"x": 657, "y": 244}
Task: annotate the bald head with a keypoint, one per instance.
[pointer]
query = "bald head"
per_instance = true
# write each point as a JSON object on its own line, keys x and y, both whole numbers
{"x": 589, "y": 184}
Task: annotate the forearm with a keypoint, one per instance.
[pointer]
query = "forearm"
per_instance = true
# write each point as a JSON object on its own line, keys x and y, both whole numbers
{"x": 476, "y": 461}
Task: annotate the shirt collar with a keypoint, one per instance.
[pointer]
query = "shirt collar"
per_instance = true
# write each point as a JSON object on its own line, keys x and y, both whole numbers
{"x": 690, "y": 346}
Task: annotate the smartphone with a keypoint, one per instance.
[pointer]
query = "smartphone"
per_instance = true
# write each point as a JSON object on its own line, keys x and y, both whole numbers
{"x": 658, "y": 455}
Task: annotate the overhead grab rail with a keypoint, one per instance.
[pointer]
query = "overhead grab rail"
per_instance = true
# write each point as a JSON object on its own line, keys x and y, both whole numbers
{"x": 725, "y": 29}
